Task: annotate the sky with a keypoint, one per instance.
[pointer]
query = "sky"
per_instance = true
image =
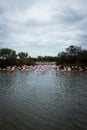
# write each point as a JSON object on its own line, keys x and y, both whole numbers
{"x": 43, "y": 27}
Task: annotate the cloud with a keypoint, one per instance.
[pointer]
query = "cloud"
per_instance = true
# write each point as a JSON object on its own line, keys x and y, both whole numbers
{"x": 43, "y": 27}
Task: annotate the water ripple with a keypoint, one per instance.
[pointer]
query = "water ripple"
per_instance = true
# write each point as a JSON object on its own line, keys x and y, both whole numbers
{"x": 50, "y": 101}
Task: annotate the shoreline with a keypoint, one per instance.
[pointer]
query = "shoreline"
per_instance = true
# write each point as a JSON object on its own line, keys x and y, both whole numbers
{"x": 44, "y": 67}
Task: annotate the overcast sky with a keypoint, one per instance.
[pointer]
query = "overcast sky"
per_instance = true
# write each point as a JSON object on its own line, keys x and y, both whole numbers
{"x": 43, "y": 27}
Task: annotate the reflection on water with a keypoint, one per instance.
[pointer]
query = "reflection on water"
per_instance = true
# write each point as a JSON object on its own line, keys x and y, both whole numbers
{"x": 49, "y": 101}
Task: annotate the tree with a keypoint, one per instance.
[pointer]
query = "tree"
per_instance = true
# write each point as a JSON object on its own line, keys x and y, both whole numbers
{"x": 72, "y": 55}
{"x": 23, "y": 57}
{"x": 7, "y": 57}
{"x": 39, "y": 58}
{"x": 73, "y": 50}
{"x": 7, "y": 53}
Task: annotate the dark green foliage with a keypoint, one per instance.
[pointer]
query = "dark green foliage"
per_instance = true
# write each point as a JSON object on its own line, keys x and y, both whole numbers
{"x": 7, "y": 57}
{"x": 46, "y": 58}
{"x": 7, "y": 53}
{"x": 23, "y": 58}
{"x": 74, "y": 55}
{"x": 73, "y": 50}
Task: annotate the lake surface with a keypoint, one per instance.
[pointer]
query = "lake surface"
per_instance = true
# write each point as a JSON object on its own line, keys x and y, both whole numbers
{"x": 49, "y": 101}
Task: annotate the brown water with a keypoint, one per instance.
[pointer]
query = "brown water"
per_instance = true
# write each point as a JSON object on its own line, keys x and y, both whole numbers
{"x": 49, "y": 101}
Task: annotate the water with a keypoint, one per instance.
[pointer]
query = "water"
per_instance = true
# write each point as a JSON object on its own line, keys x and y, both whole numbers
{"x": 49, "y": 101}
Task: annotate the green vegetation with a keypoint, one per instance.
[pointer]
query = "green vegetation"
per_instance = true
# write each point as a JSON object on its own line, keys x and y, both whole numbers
{"x": 8, "y": 57}
{"x": 47, "y": 58}
{"x": 73, "y": 55}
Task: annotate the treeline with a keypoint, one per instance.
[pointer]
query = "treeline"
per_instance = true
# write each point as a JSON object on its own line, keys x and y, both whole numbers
{"x": 47, "y": 58}
{"x": 73, "y": 55}
{"x": 9, "y": 57}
